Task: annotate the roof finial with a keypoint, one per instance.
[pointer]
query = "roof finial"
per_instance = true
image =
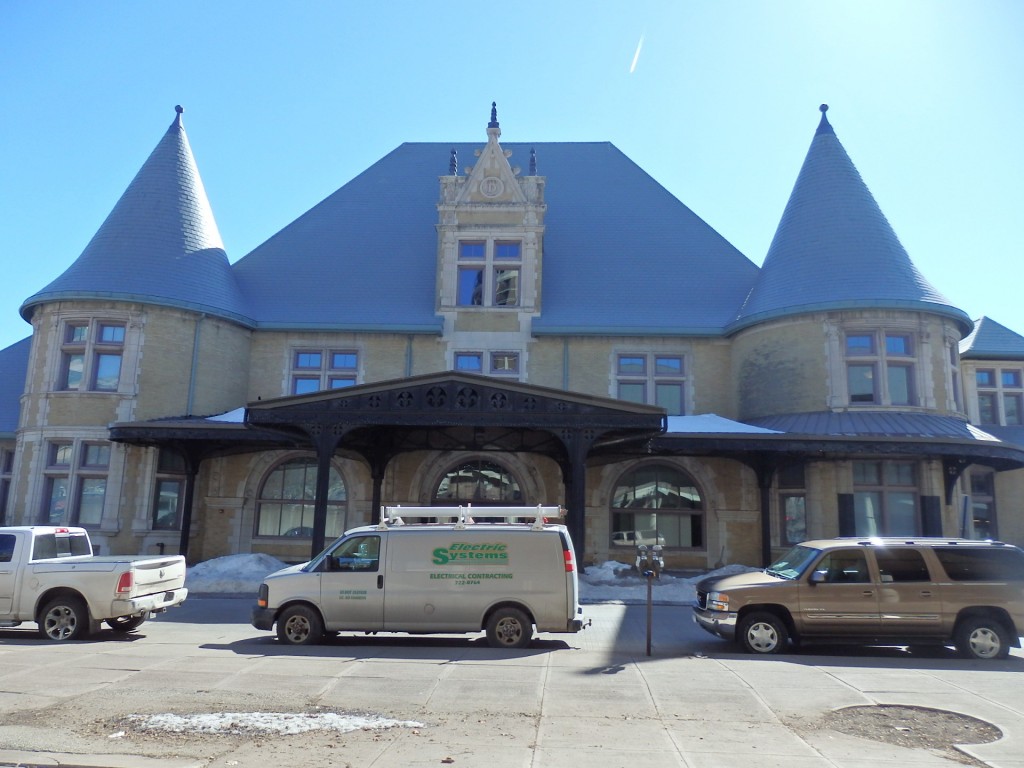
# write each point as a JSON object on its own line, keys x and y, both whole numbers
{"x": 494, "y": 115}
{"x": 824, "y": 126}
{"x": 533, "y": 161}
{"x": 178, "y": 109}
{"x": 453, "y": 163}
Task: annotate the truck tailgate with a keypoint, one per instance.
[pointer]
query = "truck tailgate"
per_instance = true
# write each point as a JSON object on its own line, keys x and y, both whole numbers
{"x": 158, "y": 574}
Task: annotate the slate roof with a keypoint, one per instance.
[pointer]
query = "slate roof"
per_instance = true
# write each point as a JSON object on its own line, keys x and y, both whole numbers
{"x": 159, "y": 245}
{"x": 13, "y": 369}
{"x": 991, "y": 341}
{"x": 874, "y": 423}
{"x": 621, "y": 254}
{"x": 834, "y": 249}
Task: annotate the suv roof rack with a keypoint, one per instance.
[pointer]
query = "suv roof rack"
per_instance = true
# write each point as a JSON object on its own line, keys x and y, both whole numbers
{"x": 463, "y": 515}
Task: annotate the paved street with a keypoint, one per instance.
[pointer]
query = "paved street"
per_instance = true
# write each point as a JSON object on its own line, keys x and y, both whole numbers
{"x": 594, "y": 700}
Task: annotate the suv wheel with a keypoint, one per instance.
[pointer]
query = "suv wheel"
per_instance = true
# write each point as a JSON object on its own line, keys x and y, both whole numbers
{"x": 980, "y": 637}
{"x": 763, "y": 632}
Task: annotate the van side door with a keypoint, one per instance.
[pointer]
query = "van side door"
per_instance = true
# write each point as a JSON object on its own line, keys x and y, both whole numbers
{"x": 352, "y": 583}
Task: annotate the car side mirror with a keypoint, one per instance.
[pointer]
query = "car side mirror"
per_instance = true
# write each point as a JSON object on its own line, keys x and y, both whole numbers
{"x": 818, "y": 577}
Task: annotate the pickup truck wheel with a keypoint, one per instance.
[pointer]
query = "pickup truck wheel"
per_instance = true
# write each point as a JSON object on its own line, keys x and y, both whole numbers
{"x": 300, "y": 625}
{"x": 763, "y": 632}
{"x": 65, "y": 618}
{"x": 125, "y": 623}
{"x": 980, "y": 637}
{"x": 509, "y": 628}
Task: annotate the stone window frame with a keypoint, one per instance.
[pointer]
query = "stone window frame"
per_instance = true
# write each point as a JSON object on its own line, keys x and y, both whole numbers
{"x": 92, "y": 343}
{"x": 880, "y": 362}
{"x": 329, "y": 372}
{"x": 76, "y": 465}
{"x": 639, "y": 382}
{"x": 480, "y": 274}
{"x": 1004, "y": 385}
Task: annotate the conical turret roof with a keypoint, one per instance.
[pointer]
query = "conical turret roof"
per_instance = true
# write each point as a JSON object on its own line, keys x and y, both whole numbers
{"x": 834, "y": 249}
{"x": 159, "y": 245}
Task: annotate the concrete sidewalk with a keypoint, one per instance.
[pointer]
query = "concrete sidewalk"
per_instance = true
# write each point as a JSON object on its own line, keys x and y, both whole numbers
{"x": 593, "y": 700}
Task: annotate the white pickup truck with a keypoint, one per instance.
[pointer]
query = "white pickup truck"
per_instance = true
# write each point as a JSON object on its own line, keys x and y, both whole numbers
{"x": 50, "y": 576}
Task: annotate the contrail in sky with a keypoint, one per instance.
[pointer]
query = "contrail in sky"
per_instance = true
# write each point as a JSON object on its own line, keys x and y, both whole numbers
{"x": 636, "y": 56}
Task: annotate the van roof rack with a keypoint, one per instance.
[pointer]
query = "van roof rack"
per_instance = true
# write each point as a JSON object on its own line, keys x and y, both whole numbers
{"x": 463, "y": 515}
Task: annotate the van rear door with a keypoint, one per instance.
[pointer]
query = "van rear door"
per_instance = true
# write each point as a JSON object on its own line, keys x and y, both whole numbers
{"x": 352, "y": 583}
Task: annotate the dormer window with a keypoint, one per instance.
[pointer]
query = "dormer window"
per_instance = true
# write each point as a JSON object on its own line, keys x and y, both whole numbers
{"x": 880, "y": 368}
{"x": 489, "y": 273}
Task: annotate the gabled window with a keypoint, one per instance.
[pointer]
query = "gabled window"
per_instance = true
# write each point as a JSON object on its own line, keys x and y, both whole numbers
{"x": 489, "y": 273}
{"x": 314, "y": 370}
{"x": 654, "y": 378}
{"x": 1000, "y": 396}
{"x": 91, "y": 354}
{"x": 880, "y": 368}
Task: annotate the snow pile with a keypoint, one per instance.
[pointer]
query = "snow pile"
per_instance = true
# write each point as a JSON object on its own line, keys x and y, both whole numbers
{"x": 265, "y": 722}
{"x": 232, "y": 574}
{"x": 609, "y": 582}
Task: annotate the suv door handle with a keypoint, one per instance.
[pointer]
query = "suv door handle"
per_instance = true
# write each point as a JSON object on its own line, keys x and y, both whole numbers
{"x": 926, "y": 593}
{"x": 868, "y": 592}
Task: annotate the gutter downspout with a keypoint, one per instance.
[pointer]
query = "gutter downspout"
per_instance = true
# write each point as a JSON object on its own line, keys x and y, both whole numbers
{"x": 195, "y": 363}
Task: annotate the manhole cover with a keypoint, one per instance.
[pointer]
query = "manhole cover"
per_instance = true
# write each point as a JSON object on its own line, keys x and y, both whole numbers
{"x": 914, "y": 727}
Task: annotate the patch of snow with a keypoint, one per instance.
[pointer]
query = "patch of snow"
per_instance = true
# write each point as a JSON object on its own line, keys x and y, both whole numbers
{"x": 231, "y": 574}
{"x": 265, "y": 722}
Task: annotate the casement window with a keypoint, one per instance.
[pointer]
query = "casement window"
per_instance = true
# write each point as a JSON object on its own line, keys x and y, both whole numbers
{"x": 657, "y": 504}
{"x": 885, "y": 498}
{"x": 792, "y": 504}
{"x": 6, "y": 470}
{"x": 1000, "y": 396}
{"x": 488, "y": 273}
{"x": 91, "y": 355}
{"x": 169, "y": 494}
{"x": 314, "y": 370}
{"x": 287, "y": 496}
{"x": 75, "y": 482}
{"x": 653, "y": 378}
{"x": 880, "y": 368}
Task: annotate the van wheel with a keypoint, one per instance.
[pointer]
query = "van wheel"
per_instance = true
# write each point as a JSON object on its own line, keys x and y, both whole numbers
{"x": 980, "y": 637}
{"x": 125, "y": 623}
{"x": 65, "y": 618}
{"x": 299, "y": 625}
{"x": 763, "y": 632}
{"x": 509, "y": 628}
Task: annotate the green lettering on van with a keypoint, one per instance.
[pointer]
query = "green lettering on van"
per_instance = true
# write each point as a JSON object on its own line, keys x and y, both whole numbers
{"x": 480, "y": 554}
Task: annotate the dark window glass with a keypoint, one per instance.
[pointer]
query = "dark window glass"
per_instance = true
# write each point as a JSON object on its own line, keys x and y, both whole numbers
{"x": 898, "y": 565}
{"x": 989, "y": 564}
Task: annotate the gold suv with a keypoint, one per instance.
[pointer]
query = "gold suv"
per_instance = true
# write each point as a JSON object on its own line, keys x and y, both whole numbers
{"x": 922, "y": 591}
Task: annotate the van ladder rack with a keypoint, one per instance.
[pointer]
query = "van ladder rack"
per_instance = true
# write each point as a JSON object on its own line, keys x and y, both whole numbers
{"x": 463, "y": 515}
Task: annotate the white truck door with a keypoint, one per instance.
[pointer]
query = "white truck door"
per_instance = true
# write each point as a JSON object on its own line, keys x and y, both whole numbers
{"x": 8, "y": 573}
{"x": 352, "y": 583}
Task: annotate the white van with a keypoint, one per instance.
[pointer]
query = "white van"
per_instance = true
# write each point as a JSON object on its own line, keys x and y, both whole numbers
{"x": 409, "y": 575}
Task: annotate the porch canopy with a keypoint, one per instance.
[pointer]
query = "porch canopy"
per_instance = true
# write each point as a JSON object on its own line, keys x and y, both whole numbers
{"x": 449, "y": 411}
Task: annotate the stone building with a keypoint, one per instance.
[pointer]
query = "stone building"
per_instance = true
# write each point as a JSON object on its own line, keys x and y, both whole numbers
{"x": 507, "y": 323}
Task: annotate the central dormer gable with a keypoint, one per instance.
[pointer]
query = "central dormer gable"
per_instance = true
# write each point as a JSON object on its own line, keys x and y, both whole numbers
{"x": 490, "y": 232}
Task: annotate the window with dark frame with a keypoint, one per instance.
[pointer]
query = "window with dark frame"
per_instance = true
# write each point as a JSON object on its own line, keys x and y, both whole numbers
{"x": 284, "y": 507}
{"x": 169, "y": 493}
{"x": 880, "y": 368}
{"x": 314, "y": 370}
{"x": 983, "y": 520}
{"x": 654, "y": 378}
{"x": 885, "y": 496}
{"x": 91, "y": 356}
{"x": 6, "y": 471}
{"x": 792, "y": 504}
{"x": 75, "y": 482}
{"x": 488, "y": 273}
{"x": 657, "y": 504}
{"x": 1000, "y": 396}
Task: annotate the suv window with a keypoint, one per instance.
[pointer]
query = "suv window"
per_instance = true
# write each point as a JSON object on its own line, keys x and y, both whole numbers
{"x": 845, "y": 567}
{"x": 896, "y": 565}
{"x": 982, "y": 564}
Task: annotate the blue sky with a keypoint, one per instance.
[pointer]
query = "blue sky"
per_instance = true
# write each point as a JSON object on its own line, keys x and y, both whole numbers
{"x": 718, "y": 101}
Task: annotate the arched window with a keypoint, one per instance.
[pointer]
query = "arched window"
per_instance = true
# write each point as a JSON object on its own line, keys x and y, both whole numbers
{"x": 285, "y": 504}
{"x": 478, "y": 482}
{"x": 657, "y": 504}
